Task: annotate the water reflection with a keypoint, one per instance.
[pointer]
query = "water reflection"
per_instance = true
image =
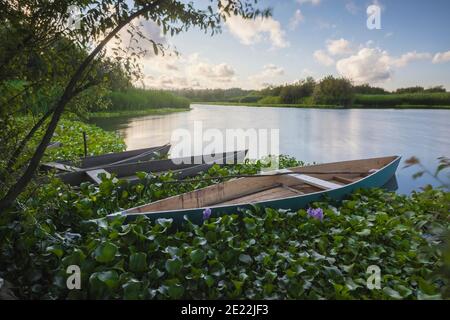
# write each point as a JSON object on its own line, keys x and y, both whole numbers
{"x": 392, "y": 184}
{"x": 313, "y": 134}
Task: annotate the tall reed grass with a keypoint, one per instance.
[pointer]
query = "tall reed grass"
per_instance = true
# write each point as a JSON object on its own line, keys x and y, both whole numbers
{"x": 140, "y": 99}
{"x": 411, "y": 99}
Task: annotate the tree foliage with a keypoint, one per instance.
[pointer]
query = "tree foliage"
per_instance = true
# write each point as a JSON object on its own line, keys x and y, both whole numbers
{"x": 334, "y": 91}
{"x": 37, "y": 32}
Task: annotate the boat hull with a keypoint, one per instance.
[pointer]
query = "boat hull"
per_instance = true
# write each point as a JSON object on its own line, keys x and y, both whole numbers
{"x": 122, "y": 157}
{"x": 375, "y": 180}
{"x": 181, "y": 167}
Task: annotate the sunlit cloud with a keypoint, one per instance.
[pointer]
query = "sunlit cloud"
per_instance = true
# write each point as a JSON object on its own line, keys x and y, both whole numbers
{"x": 441, "y": 57}
{"x": 269, "y": 75}
{"x": 373, "y": 65}
{"x": 339, "y": 47}
{"x": 323, "y": 58}
{"x": 251, "y": 32}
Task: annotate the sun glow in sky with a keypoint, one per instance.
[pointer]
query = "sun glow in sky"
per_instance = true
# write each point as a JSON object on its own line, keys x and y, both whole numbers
{"x": 312, "y": 38}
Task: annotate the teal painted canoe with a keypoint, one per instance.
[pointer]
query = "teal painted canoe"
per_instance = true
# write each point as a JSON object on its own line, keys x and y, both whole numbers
{"x": 293, "y": 188}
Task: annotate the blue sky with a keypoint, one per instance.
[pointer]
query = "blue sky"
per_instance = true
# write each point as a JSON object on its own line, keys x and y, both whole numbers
{"x": 314, "y": 38}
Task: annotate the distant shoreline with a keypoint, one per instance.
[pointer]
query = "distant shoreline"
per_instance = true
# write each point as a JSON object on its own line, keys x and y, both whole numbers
{"x": 302, "y": 106}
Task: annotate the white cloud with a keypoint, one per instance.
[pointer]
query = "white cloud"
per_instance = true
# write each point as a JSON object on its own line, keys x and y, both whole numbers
{"x": 339, "y": 47}
{"x": 352, "y": 7}
{"x": 313, "y": 2}
{"x": 254, "y": 31}
{"x": 441, "y": 57}
{"x": 296, "y": 19}
{"x": 191, "y": 71}
{"x": 266, "y": 76}
{"x": 369, "y": 65}
{"x": 373, "y": 65}
{"x": 323, "y": 58}
{"x": 221, "y": 72}
{"x": 166, "y": 82}
{"x": 409, "y": 57}
{"x": 272, "y": 70}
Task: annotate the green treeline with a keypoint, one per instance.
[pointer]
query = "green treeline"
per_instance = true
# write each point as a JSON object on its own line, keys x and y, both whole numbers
{"x": 329, "y": 91}
{"x": 403, "y": 99}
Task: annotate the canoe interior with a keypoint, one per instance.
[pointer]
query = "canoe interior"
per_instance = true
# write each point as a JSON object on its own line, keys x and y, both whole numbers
{"x": 270, "y": 187}
{"x": 182, "y": 167}
{"x": 123, "y": 157}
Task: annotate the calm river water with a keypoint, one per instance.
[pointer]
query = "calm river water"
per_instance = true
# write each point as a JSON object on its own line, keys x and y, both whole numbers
{"x": 312, "y": 135}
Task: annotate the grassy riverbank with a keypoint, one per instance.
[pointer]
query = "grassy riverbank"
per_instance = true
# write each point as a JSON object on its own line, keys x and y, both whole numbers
{"x": 329, "y": 92}
{"x": 70, "y": 133}
{"x": 135, "y": 113}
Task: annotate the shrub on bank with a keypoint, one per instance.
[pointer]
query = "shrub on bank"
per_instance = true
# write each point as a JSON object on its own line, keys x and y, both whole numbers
{"x": 334, "y": 91}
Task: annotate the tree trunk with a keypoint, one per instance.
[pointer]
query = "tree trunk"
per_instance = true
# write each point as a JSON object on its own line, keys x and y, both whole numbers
{"x": 23, "y": 143}
{"x": 68, "y": 94}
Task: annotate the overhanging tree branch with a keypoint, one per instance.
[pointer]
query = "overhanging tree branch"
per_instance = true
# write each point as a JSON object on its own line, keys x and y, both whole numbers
{"x": 68, "y": 94}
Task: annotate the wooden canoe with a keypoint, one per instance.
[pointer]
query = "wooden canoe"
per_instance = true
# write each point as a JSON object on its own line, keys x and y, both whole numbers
{"x": 182, "y": 167}
{"x": 100, "y": 161}
{"x": 293, "y": 189}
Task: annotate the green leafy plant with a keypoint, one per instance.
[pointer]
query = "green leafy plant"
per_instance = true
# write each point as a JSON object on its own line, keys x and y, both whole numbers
{"x": 259, "y": 253}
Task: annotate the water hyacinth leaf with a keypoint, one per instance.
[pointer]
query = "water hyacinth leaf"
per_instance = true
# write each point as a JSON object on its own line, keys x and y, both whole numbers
{"x": 141, "y": 175}
{"x": 245, "y": 258}
{"x": 109, "y": 278}
{"x": 209, "y": 280}
{"x": 427, "y": 287}
{"x": 138, "y": 262}
{"x": 76, "y": 258}
{"x": 132, "y": 289}
{"x": 165, "y": 223}
{"x": 424, "y": 296}
{"x": 56, "y": 250}
{"x": 197, "y": 256}
{"x": 392, "y": 293}
{"x": 105, "y": 252}
{"x": 351, "y": 285}
{"x": 173, "y": 266}
{"x": 175, "y": 291}
{"x": 364, "y": 232}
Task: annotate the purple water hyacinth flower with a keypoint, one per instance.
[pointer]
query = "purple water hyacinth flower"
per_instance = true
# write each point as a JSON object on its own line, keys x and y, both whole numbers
{"x": 206, "y": 213}
{"x": 315, "y": 213}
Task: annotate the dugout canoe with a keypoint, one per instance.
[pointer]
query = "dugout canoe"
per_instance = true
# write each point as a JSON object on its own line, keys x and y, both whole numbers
{"x": 293, "y": 189}
{"x": 101, "y": 161}
{"x": 181, "y": 167}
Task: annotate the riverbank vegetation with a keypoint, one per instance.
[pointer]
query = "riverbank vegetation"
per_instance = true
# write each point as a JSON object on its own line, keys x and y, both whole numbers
{"x": 330, "y": 92}
{"x": 253, "y": 254}
{"x": 133, "y": 113}
{"x": 52, "y": 75}
{"x": 134, "y": 99}
{"x": 50, "y": 66}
